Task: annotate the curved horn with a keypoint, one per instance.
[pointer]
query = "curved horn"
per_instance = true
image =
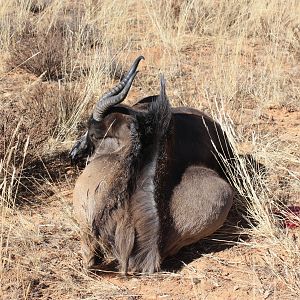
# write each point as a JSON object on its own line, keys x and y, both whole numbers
{"x": 116, "y": 94}
{"x": 115, "y": 90}
{"x": 103, "y": 105}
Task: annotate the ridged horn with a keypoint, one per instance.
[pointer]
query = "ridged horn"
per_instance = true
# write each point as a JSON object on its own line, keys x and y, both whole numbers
{"x": 117, "y": 94}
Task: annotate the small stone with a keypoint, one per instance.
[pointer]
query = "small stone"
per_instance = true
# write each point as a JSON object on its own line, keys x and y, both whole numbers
{"x": 196, "y": 280}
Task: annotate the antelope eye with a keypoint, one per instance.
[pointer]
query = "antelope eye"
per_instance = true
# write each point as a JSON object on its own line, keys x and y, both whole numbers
{"x": 94, "y": 136}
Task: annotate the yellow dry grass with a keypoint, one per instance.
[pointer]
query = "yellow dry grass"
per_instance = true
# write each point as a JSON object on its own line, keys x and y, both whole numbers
{"x": 237, "y": 60}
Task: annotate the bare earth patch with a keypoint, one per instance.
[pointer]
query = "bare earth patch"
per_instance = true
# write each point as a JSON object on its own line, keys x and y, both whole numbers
{"x": 236, "y": 60}
{"x": 44, "y": 263}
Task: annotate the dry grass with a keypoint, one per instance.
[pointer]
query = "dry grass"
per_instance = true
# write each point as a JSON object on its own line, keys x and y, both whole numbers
{"x": 45, "y": 54}
{"x": 235, "y": 59}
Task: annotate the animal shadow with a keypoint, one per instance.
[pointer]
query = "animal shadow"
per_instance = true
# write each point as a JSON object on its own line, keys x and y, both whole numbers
{"x": 224, "y": 238}
{"x": 228, "y": 235}
{"x": 40, "y": 171}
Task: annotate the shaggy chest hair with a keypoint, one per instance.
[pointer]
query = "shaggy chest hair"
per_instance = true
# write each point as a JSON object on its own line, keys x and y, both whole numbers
{"x": 145, "y": 217}
{"x": 128, "y": 223}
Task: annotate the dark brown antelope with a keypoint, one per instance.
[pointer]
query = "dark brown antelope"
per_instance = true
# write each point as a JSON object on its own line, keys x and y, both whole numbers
{"x": 154, "y": 182}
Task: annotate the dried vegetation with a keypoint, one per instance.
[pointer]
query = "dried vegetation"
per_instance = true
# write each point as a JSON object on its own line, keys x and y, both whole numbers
{"x": 238, "y": 60}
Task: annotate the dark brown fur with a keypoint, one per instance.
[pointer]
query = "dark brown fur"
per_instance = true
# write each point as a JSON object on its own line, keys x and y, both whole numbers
{"x": 153, "y": 184}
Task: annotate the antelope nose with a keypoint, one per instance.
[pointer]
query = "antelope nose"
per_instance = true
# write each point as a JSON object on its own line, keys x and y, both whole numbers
{"x": 79, "y": 148}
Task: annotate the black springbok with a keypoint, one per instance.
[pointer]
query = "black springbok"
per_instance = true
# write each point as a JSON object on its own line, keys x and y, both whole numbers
{"x": 154, "y": 181}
